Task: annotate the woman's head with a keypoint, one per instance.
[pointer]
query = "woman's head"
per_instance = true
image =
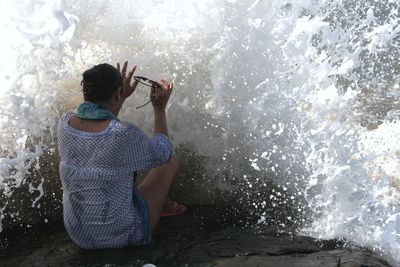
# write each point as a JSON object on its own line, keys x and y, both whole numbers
{"x": 100, "y": 82}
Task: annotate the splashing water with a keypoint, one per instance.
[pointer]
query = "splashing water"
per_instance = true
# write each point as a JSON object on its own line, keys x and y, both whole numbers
{"x": 303, "y": 93}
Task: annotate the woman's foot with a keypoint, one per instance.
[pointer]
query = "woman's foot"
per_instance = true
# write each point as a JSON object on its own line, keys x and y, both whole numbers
{"x": 172, "y": 208}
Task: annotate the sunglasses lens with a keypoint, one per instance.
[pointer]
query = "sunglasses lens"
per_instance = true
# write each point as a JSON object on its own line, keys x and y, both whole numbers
{"x": 142, "y": 80}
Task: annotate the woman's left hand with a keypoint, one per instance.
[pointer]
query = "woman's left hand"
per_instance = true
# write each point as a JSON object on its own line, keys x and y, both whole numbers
{"x": 127, "y": 87}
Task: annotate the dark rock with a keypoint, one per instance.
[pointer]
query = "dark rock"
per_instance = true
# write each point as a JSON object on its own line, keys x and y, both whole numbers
{"x": 196, "y": 239}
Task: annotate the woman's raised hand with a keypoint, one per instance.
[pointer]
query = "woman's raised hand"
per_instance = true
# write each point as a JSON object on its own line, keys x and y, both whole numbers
{"x": 160, "y": 95}
{"x": 127, "y": 87}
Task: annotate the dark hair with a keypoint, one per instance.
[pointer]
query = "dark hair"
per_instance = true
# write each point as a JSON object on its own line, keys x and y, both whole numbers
{"x": 100, "y": 81}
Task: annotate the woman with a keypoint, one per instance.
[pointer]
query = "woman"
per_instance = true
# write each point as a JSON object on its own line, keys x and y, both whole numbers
{"x": 100, "y": 155}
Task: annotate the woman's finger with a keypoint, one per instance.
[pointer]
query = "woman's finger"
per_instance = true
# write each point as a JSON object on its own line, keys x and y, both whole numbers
{"x": 124, "y": 68}
{"x": 130, "y": 74}
{"x": 134, "y": 68}
{"x": 165, "y": 84}
{"x": 118, "y": 67}
{"x": 135, "y": 83}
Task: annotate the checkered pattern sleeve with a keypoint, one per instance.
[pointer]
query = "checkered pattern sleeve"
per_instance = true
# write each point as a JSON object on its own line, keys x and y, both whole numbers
{"x": 144, "y": 152}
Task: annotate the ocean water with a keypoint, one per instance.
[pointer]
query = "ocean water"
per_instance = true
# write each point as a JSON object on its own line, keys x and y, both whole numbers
{"x": 304, "y": 94}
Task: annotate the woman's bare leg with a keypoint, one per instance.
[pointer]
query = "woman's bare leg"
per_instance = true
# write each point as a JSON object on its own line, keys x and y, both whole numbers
{"x": 155, "y": 187}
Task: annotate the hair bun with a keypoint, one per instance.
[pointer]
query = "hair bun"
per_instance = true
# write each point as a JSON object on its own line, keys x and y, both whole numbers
{"x": 99, "y": 82}
{"x": 91, "y": 76}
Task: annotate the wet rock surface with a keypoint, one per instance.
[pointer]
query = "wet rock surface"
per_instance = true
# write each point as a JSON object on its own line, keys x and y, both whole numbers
{"x": 200, "y": 238}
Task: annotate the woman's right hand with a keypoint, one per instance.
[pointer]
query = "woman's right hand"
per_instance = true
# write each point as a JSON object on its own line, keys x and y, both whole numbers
{"x": 160, "y": 95}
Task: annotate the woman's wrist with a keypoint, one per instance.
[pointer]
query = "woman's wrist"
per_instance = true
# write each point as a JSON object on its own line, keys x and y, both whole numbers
{"x": 159, "y": 110}
{"x": 160, "y": 121}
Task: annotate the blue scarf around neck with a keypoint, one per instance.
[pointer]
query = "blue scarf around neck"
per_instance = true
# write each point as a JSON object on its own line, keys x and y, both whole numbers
{"x": 91, "y": 111}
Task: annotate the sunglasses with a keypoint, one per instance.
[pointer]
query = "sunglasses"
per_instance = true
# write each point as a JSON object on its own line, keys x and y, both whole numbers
{"x": 149, "y": 83}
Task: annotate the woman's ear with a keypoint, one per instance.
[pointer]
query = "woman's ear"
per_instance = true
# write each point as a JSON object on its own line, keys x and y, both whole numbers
{"x": 119, "y": 94}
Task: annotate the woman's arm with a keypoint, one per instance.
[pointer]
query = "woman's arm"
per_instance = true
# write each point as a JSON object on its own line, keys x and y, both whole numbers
{"x": 159, "y": 99}
{"x": 160, "y": 122}
{"x": 144, "y": 152}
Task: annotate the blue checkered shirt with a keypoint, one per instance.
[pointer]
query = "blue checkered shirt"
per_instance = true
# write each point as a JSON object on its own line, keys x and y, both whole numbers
{"x": 97, "y": 171}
